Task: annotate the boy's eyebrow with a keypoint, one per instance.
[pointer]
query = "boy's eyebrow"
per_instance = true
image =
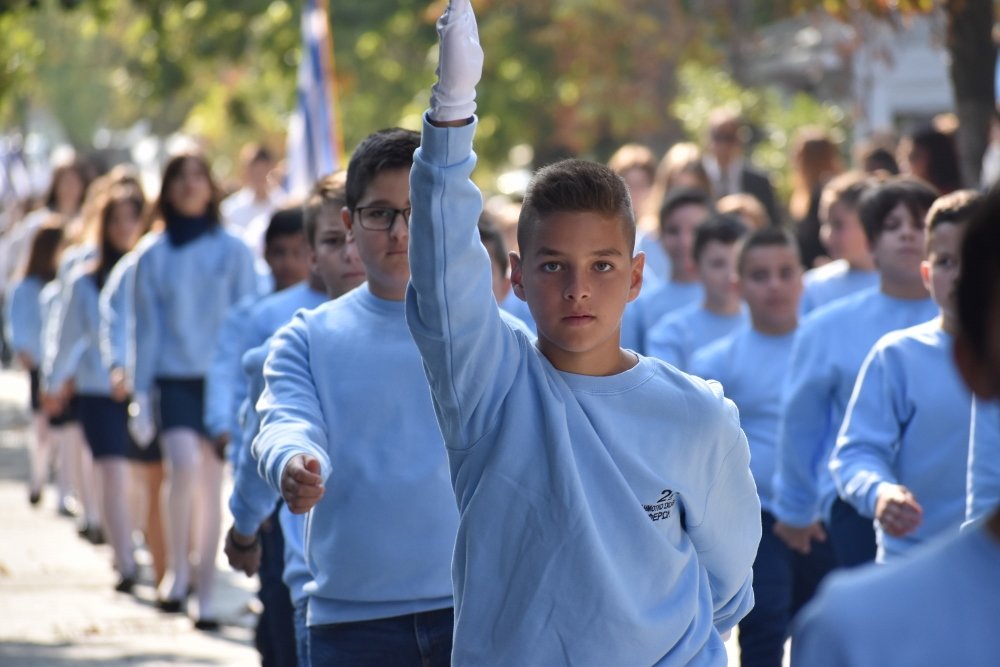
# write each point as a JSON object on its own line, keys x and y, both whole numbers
{"x": 382, "y": 202}
{"x": 603, "y": 252}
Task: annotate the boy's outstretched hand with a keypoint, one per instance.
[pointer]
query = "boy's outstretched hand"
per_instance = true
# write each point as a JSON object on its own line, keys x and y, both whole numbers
{"x": 460, "y": 64}
{"x": 301, "y": 484}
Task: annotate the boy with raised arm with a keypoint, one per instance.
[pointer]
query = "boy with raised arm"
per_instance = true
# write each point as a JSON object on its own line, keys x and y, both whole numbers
{"x": 607, "y": 511}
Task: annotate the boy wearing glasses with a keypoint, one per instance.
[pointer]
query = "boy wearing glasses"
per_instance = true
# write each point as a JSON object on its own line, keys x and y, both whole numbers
{"x": 348, "y": 432}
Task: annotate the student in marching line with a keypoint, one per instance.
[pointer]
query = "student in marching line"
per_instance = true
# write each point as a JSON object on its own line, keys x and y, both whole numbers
{"x": 829, "y": 349}
{"x": 608, "y": 514}
{"x": 263, "y": 531}
{"x": 103, "y": 412}
{"x": 348, "y": 433}
{"x": 843, "y": 235}
{"x": 940, "y": 605}
{"x": 902, "y": 453}
{"x": 185, "y": 282}
{"x": 682, "y": 212}
{"x": 253, "y": 320}
{"x": 677, "y": 336}
{"x": 117, "y": 309}
{"x": 752, "y": 364}
{"x": 24, "y": 331}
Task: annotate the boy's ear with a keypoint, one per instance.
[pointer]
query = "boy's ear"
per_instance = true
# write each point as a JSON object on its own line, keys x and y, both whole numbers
{"x": 516, "y": 275}
{"x": 347, "y": 218}
{"x": 635, "y": 275}
{"x": 925, "y": 273}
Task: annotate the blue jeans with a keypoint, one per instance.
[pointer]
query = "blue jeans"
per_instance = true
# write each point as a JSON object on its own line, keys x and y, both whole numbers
{"x": 852, "y": 535}
{"x": 302, "y": 633}
{"x": 412, "y": 640}
{"x": 783, "y": 581}
{"x": 275, "y": 637}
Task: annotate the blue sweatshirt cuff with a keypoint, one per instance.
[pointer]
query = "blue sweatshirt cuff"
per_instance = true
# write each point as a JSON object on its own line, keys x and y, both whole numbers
{"x": 447, "y": 146}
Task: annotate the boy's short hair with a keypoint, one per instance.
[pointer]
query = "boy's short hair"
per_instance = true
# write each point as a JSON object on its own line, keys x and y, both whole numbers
{"x": 633, "y": 156}
{"x": 766, "y": 237}
{"x": 380, "y": 151}
{"x": 978, "y": 289}
{"x": 576, "y": 186}
{"x": 847, "y": 188}
{"x": 492, "y": 238}
{"x": 252, "y": 153}
{"x": 955, "y": 208}
{"x": 328, "y": 193}
{"x": 878, "y": 158}
{"x": 681, "y": 197}
{"x": 720, "y": 228}
{"x": 878, "y": 201}
{"x": 284, "y": 222}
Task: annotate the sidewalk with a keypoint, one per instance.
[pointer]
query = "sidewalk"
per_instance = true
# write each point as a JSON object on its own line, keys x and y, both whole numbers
{"x": 57, "y": 603}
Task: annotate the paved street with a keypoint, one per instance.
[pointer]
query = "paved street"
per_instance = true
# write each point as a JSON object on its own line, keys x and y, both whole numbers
{"x": 57, "y": 603}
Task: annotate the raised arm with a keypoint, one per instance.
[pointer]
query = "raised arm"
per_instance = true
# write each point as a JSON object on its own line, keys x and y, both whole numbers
{"x": 469, "y": 353}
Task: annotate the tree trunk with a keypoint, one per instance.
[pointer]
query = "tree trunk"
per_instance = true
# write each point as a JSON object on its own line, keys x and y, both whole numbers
{"x": 973, "y": 62}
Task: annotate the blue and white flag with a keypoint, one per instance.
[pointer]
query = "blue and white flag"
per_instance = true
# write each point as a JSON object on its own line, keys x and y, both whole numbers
{"x": 313, "y": 140}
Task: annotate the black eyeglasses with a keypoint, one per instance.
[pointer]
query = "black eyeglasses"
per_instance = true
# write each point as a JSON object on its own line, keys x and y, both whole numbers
{"x": 380, "y": 218}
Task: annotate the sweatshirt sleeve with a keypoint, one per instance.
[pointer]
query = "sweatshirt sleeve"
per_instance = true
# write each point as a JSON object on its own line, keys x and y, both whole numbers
{"x": 291, "y": 416}
{"x": 71, "y": 339}
{"x": 147, "y": 326}
{"x": 726, "y": 530}
{"x": 864, "y": 456}
{"x": 23, "y": 320}
{"x": 666, "y": 342}
{"x": 984, "y": 461}
{"x": 803, "y": 430}
{"x": 225, "y": 375}
{"x": 252, "y": 499}
{"x": 470, "y": 355}
{"x": 114, "y": 305}
{"x": 245, "y": 279}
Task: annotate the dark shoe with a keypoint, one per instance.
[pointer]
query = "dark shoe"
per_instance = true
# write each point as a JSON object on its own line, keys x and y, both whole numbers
{"x": 125, "y": 585}
{"x": 34, "y": 497}
{"x": 169, "y": 606}
{"x": 94, "y": 535}
{"x": 207, "y": 625}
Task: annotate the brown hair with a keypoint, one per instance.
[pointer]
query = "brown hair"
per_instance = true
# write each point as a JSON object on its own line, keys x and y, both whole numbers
{"x": 955, "y": 208}
{"x": 815, "y": 159}
{"x": 328, "y": 192}
{"x": 46, "y": 246}
{"x": 576, "y": 186}
{"x": 633, "y": 156}
{"x": 107, "y": 255}
{"x": 844, "y": 189}
{"x": 163, "y": 210}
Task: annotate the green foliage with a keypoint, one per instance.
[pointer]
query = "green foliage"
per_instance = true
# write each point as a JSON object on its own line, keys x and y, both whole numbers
{"x": 774, "y": 117}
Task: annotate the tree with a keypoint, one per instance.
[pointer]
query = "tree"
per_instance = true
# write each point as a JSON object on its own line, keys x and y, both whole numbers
{"x": 973, "y": 62}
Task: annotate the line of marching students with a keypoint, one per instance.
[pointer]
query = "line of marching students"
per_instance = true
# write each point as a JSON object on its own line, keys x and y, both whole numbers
{"x": 613, "y": 507}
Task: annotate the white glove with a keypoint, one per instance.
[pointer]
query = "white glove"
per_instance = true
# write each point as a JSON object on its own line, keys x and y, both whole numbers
{"x": 460, "y": 64}
{"x": 140, "y": 421}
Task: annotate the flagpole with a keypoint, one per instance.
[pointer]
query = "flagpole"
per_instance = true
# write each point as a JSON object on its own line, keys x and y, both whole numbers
{"x": 337, "y": 130}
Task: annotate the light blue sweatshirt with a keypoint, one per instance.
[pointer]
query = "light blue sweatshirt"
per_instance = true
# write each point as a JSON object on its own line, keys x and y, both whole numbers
{"x": 345, "y": 385}
{"x": 650, "y": 306}
{"x": 253, "y": 500}
{"x": 71, "y": 260}
{"x": 656, "y": 270}
{"x": 77, "y": 354}
{"x": 939, "y": 607}
{"x": 604, "y": 520}
{"x": 983, "y": 486}
{"x": 249, "y": 324}
{"x": 48, "y": 301}
{"x": 752, "y": 367}
{"x": 117, "y": 306}
{"x": 833, "y": 281}
{"x": 907, "y": 423}
{"x": 518, "y": 309}
{"x": 182, "y": 295}
{"x": 830, "y": 346}
{"x": 225, "y": 386}
{"x": 678, "y": 335}
{"x": 23, "y": 318}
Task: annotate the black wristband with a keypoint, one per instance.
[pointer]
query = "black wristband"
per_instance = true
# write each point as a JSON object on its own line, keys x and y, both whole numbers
{"x": 243, "y": 547}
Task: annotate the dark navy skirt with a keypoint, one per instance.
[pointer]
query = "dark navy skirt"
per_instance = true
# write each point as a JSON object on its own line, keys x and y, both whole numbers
{"x": 105, "y": 425}
{"x": 181, "y": 404}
